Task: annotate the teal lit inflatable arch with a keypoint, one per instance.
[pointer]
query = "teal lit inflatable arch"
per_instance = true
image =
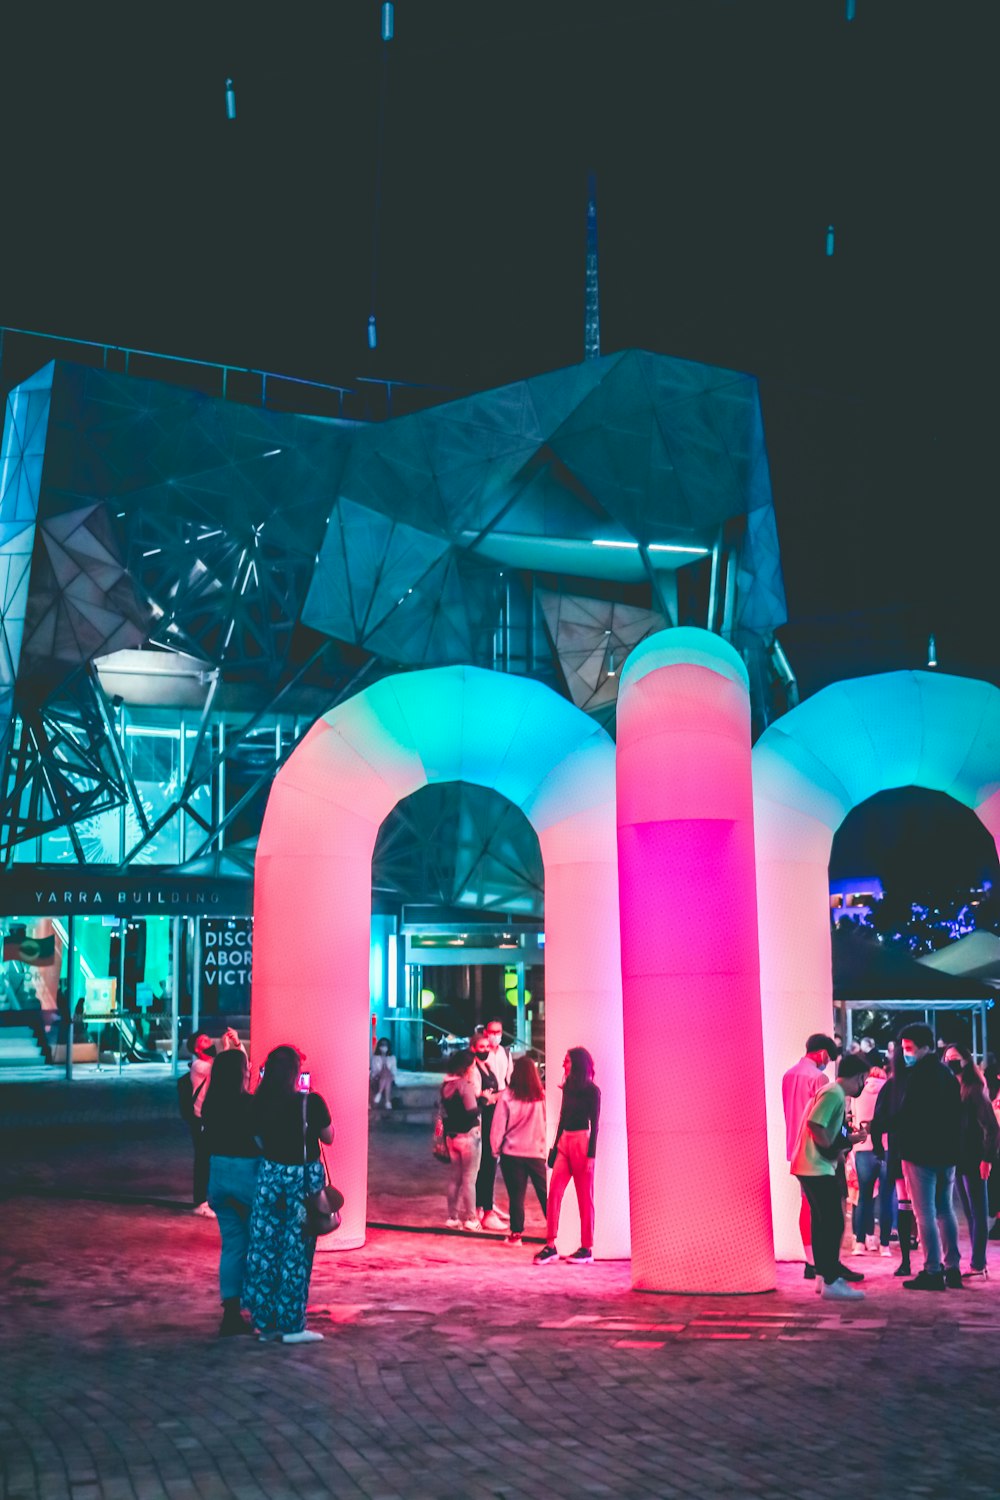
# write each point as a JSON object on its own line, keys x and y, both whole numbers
{"x": 312, "y": 893}
{"x": 810, "y": 768}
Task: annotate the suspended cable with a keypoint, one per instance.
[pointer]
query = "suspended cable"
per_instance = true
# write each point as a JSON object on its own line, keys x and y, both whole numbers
{"x": 388, "y": 30}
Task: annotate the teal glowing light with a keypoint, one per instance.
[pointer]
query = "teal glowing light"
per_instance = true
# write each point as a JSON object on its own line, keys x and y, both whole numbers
{"x": 810, "y": 768}
{"x": 492, "y": 729}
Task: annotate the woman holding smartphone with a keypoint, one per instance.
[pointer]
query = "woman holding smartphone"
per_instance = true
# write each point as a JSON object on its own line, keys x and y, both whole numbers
{"x": 290, "y": 1124}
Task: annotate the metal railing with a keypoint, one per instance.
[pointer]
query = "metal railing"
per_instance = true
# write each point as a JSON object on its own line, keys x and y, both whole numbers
{"x": 453, "y": 1041}
{"x": 246, "y": 384}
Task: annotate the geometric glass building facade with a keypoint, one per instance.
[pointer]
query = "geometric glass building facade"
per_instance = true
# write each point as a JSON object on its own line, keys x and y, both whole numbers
{"x": 186, "y": 583}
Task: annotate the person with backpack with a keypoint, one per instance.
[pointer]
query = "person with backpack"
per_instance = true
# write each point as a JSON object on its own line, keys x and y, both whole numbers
{"x": 464, "y": 1138}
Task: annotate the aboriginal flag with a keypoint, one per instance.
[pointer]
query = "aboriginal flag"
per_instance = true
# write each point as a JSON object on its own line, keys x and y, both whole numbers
{"x": 29, "y": 950}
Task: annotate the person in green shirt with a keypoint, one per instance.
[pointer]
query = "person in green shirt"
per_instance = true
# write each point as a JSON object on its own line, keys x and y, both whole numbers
{"x": 821, "y": 1142}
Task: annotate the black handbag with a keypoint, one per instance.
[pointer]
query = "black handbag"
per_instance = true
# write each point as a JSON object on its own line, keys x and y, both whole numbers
{"x": 322, "y": 1208}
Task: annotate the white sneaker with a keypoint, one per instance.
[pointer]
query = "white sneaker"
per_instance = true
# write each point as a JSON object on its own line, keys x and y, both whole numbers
{"x": 858, "y": 1248}
{"x": 871, "y": 1244}
{"x": 473, "y": 1226}
{"x": 841, "y": 1291}
{"x": 203, "y": 1211}
{"x": 306, "y": 1336}
{"x": 493, "y": 1222}
{"x": 452, "y": 1223}
{"x": 885, "y": 1250}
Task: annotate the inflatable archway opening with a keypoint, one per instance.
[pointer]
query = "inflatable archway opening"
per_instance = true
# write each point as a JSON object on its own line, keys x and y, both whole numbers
{"x": 312, "y": 896}
{"x": 810, "y": 768}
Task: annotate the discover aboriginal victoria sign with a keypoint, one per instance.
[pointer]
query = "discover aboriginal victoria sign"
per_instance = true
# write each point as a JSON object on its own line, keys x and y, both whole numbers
{"x": 36, "y": 892}
{"x": 227, "y": 961}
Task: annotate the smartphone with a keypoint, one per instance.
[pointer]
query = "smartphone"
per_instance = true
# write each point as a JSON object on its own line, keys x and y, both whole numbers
{"x": 304, "y": 1081}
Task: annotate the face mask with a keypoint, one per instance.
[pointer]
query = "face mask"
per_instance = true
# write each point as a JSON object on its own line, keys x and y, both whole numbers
{"x": 955, "y": 1065}
{"x": 909, "y": 1058}
{"x": 480, "y": 1051}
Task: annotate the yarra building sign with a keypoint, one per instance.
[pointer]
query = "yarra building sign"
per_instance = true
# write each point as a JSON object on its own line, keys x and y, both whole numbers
{"x": 38, "y": 893}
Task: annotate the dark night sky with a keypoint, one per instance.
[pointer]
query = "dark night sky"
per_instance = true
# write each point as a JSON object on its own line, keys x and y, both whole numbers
{"x": 726, "y": 135}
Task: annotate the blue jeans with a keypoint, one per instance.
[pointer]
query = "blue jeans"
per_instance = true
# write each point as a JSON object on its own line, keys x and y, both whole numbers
{"x": 972, "y": 1192}
{"x": 465, "y": 1152}
{"x": 232, "y": 1181}
{"x": 931, "y": 1191}
{"x": 873, "y": 1174}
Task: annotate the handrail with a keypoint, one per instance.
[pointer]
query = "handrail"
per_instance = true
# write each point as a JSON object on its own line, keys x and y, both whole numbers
{"x": 509, "y": 1039}
{"x": 226, "y": 369}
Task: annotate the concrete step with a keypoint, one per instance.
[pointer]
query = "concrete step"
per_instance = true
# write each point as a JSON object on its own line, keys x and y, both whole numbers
{"x": 20, "y": 1057}
{"x": 19, "y": 1047}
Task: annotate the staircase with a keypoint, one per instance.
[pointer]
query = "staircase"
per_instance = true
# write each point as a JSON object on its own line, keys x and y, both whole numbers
{"x": 19, "y": 1048}
{"x": 414, "y": 1101}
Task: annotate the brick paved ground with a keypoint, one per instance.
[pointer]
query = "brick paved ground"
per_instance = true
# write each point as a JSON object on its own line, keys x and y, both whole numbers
{"x": 452, "y": 1367}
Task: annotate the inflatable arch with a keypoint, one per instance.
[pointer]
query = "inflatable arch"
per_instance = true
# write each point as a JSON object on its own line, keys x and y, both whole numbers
{"x": 690, "y": 972}
{"x": 810, "y": 768}
{"x": 312, "y": 898}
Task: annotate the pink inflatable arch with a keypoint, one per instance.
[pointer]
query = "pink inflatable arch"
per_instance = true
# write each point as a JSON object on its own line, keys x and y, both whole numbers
{"x": 312, "y": 896}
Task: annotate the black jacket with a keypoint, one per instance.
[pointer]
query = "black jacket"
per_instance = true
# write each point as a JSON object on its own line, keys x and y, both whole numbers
{"x": 925, "y": 1128}
{"x": 979, "y": 1136}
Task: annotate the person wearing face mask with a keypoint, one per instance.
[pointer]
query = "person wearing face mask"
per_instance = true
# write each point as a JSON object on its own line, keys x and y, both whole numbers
{"x": 799, "y": 1086}
{"x": 202, "y": 1050}
{"x": 893, "y": 1189}
{"x": 871, "y": 1173}
{"x": 494, "y": 1067}
{"x": 978, "y": 1147}
{"x": 926, "y": 1131}
{"x": 383, "y": 1073}
{"x": 819, "y": 1147}
{"x": 572, "y": 1157}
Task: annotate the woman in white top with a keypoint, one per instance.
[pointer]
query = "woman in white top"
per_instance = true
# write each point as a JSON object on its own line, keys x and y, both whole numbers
{"x": 517, "y": 1136}
{"x": 383, "y": 1073}
{"x": 871, "y": 1172}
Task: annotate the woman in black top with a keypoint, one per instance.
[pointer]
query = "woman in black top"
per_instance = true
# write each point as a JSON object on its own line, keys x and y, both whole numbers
{"x": 290, "y": 1122}
{"x": 234, "y": 1156}
{"x": 572, "y": 1156}
{"x": 978, "y": 1144}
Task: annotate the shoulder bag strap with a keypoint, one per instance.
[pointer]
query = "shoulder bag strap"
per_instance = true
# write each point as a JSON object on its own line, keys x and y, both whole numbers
{"x": 305, "y": 1146}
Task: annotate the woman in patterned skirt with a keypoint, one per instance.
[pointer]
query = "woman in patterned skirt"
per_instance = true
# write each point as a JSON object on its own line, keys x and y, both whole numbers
{"x": 290, "y": 1122}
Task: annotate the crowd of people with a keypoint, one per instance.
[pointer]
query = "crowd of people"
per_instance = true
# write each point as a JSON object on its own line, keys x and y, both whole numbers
{"x": 493, "y": 1113}
{"x": 258, "y": 1161}
{"x": 905, "y": 1139}
{"x": 902, "y": 1138}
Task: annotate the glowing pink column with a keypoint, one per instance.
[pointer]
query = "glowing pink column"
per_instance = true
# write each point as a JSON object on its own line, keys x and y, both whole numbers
{"x": 694, "y": 1065}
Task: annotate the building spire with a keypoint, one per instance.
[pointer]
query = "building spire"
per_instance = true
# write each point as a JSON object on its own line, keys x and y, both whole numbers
{"x": 592, "y": 310}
